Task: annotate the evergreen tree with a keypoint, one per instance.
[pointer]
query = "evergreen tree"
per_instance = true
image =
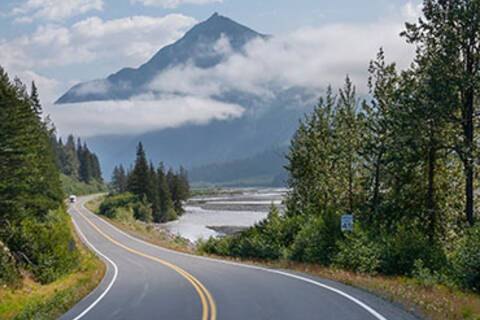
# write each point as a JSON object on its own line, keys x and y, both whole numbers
{"x": 153, "y": 194}
{"x": 72, "y": 164}
{"x": 167, "y": 211}
{"x": 451, "y": 29}
{"x": 348, "y": 141}
{"x": 139, "y": 181}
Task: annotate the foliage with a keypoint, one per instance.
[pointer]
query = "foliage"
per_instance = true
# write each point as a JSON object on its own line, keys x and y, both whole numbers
{"x": 404, "y": 246}
{"x": 359, "y": 253}
{"x": 32, "y": 215}
{"x": 142, "y": 211}
{"x": 75, "y": 160}
{"x": 9, "y": 273}
{"x": 317, "y": 240}
{"x": 73, "y": 186}
{"x": 45, "y": 247}
{"x": 466, "y": 260}
{"x": 261, "y": 241}
{"x": 161, "y": 193}
{"x": 110, "y": 204}
{"x": 403, "y": 161}
{"x": 49, "y": 301}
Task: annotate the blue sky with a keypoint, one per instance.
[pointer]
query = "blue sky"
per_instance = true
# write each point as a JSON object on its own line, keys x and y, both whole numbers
{"x": 59, "y": 43}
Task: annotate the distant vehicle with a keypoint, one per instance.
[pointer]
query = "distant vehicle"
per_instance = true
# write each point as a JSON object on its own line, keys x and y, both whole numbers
{"x": 73, "y": 198}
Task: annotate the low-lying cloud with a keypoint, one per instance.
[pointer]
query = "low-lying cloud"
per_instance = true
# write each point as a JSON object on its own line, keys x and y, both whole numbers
{"x": 311, "y": 58}
{"x": 138, "y": 115}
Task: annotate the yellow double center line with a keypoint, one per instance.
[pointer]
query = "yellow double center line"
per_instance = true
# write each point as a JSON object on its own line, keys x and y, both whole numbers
{"x": 209, "y": 309}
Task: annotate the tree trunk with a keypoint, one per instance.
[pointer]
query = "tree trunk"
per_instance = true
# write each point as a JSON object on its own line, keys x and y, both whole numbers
{"x": 431, "y": 205}
{"x": 469, "y": 144}
{"x": 469, "y": 97}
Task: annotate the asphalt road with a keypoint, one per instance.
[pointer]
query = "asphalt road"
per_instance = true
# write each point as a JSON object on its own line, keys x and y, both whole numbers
{"x": 144, "y": 281}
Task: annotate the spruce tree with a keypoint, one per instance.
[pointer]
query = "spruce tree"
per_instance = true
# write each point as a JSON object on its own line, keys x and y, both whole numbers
{"x": 167, "y": 211}
{"x": 451, "y": 29}
{"x": 140, "y": 176}
{"x": 153, "y": 194}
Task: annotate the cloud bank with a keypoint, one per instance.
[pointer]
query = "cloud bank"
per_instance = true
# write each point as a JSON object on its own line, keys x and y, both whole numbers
{"x": 311, "y": 58}
{"x": 138, "y": 115}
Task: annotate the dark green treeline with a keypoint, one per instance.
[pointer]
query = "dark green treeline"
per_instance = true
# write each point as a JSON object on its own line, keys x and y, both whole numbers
{"x": 161, "y": 191}
{"x": 404, "y": 162}
{"x": 34, "y": 227}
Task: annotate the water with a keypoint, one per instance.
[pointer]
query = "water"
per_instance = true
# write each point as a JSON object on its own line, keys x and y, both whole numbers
{"x": 233, "y": 210}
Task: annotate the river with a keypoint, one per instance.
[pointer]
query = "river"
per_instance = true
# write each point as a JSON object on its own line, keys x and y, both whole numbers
{"x": 225, "y": 212}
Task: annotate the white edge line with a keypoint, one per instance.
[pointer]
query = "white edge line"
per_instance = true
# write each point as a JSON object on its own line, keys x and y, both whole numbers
{"x": 369, "y": 309}
{"x": 114, "y": 278}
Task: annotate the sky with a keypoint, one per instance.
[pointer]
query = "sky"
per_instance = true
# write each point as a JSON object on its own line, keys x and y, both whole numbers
{"x": 59, "y": 43}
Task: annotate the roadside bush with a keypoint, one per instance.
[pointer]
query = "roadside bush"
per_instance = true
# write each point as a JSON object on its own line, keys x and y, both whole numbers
{"x": 216, "y": 246}
{"x": 466, "y": 260}
{"x": 124, "y": 215}
{"x": 110, "y": 204}
{"x": 9, "y": 274}
{"x": 407, "y": 244}
{"x": 357, "y": 252}
{"x": 262, "y": 241}
{"x": 317, "y": 240}
{"x": 45, "y": 247}
{"x": 142, "y": 211}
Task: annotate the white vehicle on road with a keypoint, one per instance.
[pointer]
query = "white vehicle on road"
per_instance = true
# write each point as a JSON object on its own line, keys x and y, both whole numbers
{"x": 73, "y": 198}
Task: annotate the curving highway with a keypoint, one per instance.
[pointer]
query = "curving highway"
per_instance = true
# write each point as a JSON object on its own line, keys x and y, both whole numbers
{"x": 144, "y": 281}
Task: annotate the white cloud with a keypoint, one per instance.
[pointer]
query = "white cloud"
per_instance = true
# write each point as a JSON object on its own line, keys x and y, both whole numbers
{"x": 172, "y": 3}
{"x": 54, "y": 10}
{"x": 312, "y": 57}
{"x": 128, "y": 41}
{"x": 140, "y": 114}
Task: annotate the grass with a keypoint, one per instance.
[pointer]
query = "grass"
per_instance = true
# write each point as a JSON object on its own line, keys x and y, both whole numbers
{"x": 429, "y": 301}
{"x": 36, "y": 301}
{"x": 141, "y": 230}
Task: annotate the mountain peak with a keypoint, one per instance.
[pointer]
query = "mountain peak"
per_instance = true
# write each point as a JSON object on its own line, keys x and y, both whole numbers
{"x": 214, "y": 15}
{"x": 197, "y": 46}
{"x": 217, "y": 25}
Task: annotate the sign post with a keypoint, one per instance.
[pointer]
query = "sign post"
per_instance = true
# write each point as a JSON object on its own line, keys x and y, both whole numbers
{"x": 347, "y": 222}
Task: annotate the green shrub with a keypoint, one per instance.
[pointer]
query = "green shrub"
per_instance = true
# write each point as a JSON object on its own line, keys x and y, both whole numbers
{"x": 407, "y": 244}
{"x": 110, "y": 204}
{"x": 357, "y": 252}
{"x": 261, "y": 241}
{"x": 217, "y": 246}
{"x": 73, "y": 186}
{"x": 142, "y": 211}
{"x": 9, "y": 274}
{"x": 45, "y": 247}
{"x": 124, "y": 215}
{"x": 466, "y": 260}
{"x": 317, "y": 240}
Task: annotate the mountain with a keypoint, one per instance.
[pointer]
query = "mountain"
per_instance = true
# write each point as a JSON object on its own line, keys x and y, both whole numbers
{"x": 197, "y": 46}
{"x": 268, "y": 123}
{"x": 259, "y": 170}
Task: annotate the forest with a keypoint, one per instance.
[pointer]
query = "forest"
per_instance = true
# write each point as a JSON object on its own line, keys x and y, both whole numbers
{"x": 149, "y": 193}
{"x": 35, "y": 233}
{"x": 403, "y": 160}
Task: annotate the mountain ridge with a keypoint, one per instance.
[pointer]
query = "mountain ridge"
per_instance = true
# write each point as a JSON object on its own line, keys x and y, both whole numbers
{"x": 199, "y": 40}
{"x": 246, "y": 141}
